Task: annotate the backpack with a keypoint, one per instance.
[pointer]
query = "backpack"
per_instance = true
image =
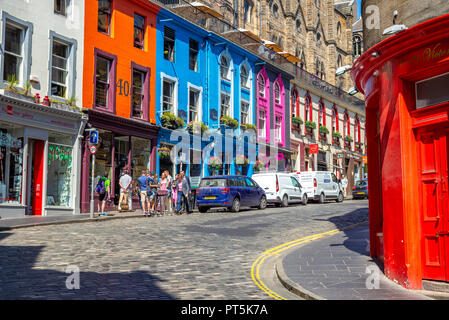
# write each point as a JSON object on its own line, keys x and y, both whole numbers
{"x": 101, "y": 186}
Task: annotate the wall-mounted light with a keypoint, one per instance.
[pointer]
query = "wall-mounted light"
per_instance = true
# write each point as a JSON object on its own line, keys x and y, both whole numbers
{"x": 352, "y": 91}
{"x": 375, "y": 54}
{"x": 394, "y": 29}
{"x": 342, "y": 70}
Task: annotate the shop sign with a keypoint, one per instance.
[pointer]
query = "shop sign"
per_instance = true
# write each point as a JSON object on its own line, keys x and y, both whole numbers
{"x": 313, "y": 148}
{"x": 6, "y": 140}
{"x": 340, "y": 155}
{"x": 429, "y": 54}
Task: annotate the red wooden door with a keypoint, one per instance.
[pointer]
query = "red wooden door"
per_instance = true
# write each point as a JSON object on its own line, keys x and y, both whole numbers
{"x": 38, "y": 175}
{"x": 433, "y": 155}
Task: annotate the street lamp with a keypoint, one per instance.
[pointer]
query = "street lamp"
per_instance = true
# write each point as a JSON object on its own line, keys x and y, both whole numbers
{"x": 352, "y": 91}
{"x": 394, "y": 29}
{"x": 342, "y": 70}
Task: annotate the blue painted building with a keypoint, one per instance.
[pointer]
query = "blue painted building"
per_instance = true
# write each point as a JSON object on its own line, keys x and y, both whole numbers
{"x": 200, "y": 77}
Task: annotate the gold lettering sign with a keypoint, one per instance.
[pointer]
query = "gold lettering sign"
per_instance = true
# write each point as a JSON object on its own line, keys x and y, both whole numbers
{"x": 429, "y": 54}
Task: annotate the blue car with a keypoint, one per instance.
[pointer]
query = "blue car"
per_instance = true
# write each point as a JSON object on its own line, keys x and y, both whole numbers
{"x": 232, "y": 192}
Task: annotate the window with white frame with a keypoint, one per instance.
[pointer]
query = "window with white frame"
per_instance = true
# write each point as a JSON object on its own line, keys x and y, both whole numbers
{"x": 244, "y": 112}
{"x": 13, "y": 52}
{"x": 244, "y": 77}
{"x": 224, "y": 67}
{"x": 194, "y": 100}
{"x": 225, "y": 104}
{"x": 59, "y": 68}
{"x": 293, "y": 104}
{"x": 261, "y": 86}
{"x": 278, "y": 128}
{"x": 262, "y": 123}
{"x": 277, "y": 93}
{"x": 168, "y": 90}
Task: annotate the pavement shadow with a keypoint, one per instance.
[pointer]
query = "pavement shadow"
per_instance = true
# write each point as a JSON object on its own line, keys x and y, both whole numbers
{"x": 21, "y": 279}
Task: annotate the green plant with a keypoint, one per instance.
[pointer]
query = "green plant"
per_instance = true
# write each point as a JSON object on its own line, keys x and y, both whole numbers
{"x": 324, "y": 129}
{"x": 27, "y": 89}
{"x": 336, "y": 134}
{"x": 348, "y": 138}
{"x": 297, "y": 120}
{"x": 170, "y": 121}
{"x": 72, "y": 100}
{"x": 229, "y": 122}
{"x": 164, "y": 153}
{"x": 240, "y": 159}
{"x": 215, "y": 163}
{"x": 195, "y": 126}
{"x": 248, "y": 126}
{"x": 12, "y": 82}
{"x": 259, "y": 165}
{"x": 310, "y": 124}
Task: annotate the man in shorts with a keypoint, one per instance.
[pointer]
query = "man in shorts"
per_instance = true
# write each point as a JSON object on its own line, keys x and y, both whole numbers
{"x": 152, "y": 190}
{"x": 143, "y": 185}
{"x": 125, "y": 183}
{"x": 102, "y": 189}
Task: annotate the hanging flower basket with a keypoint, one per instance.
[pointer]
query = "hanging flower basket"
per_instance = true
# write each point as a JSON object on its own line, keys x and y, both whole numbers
{"x": 170, "y": 121}
{"x": 229, "y": 122}
{"x": 241, "y": 160}
{"x": 297, "y": 122}
{"x": 348, "y": 138}
{"x": 164, "y": 153}
{"x": 215, "y": 163}
{"x": 258, "y": 166}
{"x": 196, "y": 127}
{"x": 310, "y": 124}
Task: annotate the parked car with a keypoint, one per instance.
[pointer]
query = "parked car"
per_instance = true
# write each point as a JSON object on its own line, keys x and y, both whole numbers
{"x": 321, "y": 185}
{"x": 360, "y": 190}
{"x": 232, "y": 192}
{"x": 281, "y": 188}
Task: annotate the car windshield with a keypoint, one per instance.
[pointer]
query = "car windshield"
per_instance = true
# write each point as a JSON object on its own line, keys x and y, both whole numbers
{"x": 361, "y": 184}
{"x": 209, "y": 183}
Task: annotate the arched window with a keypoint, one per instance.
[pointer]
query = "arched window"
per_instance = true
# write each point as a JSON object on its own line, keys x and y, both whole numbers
{"x": 261, "y": 85}
{"x": 318, "y": 36}
{"x": 357, "y": 45}
{"x": 334, "y": 120}
{"x": 338, "y": 28}
{"x": 357, "y": 134}
{"x": 224, "y": 67}
{"x": 244, "y": 77}
{"x": 275, "y": 11}
{"x": 321, "y": 115}
{"x": 339, "y": 61}
{"x": 322, "y": 73}
{"x": 308, "y": 109}
{"x": 346, "y": 128}
{"x": 277, "y": 93}
{"x": 298, "y": 26}
{"x": 294, "y": 104}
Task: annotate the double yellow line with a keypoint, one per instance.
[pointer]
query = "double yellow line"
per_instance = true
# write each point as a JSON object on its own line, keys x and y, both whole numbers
{"x": 255, "y": 269}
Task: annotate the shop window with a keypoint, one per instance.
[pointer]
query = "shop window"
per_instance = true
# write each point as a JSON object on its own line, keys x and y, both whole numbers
{"x": 138, "y": 94}
{"x": 244, "y": 112}
{"x": 121, "y": 158}
{"x": 11, "y": 165}
{"x": 139, "y": 31}
{"x": 262, "y": 123}
{"x": 193, "y": 55}
{"x": 59, "y": 171}
{"x": 195, "y": 166}
{"x": 104, "y": 16}
{"x": 169, "y": 44}
{"x": 194, "y": 99}
{"x": 168, "y": 95}
{"x": 60, "y": 6}
{"x": 141, "y": 156}
{"x": 13, "y": 52}
{"x": 225, "y": 106}
{"x": 103, "y": 157}
{"x": 433, "y": 91}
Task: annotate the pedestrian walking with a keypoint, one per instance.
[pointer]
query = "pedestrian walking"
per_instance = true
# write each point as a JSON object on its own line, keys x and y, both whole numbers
{"x": 143, "y": 189}
{"x": 179, "y": 198}
{"x": 169, "y": 190}
{"x": 163, "y": 192}
{"x": 174, "y": 189}
{"x": 185, "y": 191}
{"x": 125, "y": 183}
{"x": 152, "y": 184}
{"x": 103, "y": 191}
{"x": 344, "y": 184}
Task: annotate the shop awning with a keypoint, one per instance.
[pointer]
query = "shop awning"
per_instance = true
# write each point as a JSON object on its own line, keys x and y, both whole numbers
{"x": 272, "y": 45}
{"x": 290, "y": 57}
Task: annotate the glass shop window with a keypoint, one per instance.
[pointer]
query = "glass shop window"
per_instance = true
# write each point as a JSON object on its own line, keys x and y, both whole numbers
{"x": 432, "y": 91}
{"x": 59, "y": 171}
{"x": 11, "y": 165}
{"x": 141, "y": 154}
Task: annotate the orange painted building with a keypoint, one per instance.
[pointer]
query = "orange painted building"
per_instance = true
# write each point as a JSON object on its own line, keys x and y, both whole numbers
{"x": 118, "y": 89}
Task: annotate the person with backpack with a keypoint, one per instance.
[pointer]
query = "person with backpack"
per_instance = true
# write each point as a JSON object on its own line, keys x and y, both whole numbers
{"x": 102, "y": 189}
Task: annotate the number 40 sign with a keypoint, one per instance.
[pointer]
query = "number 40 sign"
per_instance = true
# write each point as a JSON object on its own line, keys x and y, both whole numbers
{"x": 123, "y": 86}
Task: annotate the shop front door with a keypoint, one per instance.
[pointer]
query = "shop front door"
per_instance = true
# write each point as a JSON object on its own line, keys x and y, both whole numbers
{"x": 433, "y": 156}
{"x": 36, "y": 177}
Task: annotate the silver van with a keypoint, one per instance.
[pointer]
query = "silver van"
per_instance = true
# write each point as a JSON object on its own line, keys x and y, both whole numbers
{"x": 321, "y": 185}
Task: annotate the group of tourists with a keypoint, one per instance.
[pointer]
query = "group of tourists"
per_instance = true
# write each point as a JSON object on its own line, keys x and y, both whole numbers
{"x": 166, "y": 195}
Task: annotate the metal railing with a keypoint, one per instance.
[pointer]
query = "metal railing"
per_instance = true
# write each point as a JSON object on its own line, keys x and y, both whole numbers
{"x": 223, "y": 28}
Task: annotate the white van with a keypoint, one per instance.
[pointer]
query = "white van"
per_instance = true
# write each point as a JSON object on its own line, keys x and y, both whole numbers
{"x": 321, "y": 185}
{"x": 281, "y": 188}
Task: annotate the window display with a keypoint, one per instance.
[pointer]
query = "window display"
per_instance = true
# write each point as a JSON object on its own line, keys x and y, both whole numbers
{"x": 103, "y": 156}
{"x": 11, "y": 156}
{"x": 141, "y": 153}
{"x": 59, "y": 173}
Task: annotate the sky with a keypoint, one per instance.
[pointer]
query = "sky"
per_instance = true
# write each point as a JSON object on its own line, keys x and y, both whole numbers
{"x": 359, "y": 8}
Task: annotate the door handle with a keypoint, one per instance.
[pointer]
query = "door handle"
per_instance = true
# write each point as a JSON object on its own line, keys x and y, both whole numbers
{"x": 442, "y": 233}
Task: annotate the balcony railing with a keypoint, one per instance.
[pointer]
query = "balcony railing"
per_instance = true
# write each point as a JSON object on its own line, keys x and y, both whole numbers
{"x": 206, "y": 18}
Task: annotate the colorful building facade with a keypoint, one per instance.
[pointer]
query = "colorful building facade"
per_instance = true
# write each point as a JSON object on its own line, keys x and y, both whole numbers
{"x": 119, "y": 83}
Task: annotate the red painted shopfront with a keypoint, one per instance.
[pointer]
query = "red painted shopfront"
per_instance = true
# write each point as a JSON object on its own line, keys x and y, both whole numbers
{"x": 405, "y": 80}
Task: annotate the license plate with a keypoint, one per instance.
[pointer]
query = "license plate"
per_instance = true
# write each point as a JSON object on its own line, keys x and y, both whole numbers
{"x": 360, "y": 192}
{"x": 210, "y": 198}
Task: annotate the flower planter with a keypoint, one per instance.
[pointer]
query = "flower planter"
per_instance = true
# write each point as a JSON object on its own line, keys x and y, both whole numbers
{"x": 18, "y": 95}
{"x": 323, "y": 137}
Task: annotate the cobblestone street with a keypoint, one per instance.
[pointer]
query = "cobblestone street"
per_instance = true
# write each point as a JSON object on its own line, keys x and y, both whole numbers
{"x": 198, "y": 256}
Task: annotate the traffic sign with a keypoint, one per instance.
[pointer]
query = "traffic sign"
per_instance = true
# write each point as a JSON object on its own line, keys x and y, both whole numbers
{"x": 93, "y": 149}
{"x": 93, "y": 139}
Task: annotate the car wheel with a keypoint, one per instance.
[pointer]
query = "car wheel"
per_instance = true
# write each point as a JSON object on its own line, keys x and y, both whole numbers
{"x": 322, "y": 198}
{"x": 304, "y": 199}
{"x": 203, "y": 209}
{"x": 235, "y": 205}
{"x": 284, "y": 202}
{"x": 263, "y": 203}
{"x": 340, "y": 197}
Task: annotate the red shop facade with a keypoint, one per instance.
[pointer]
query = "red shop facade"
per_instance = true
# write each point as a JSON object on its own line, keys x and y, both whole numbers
{"x": 405, "y": 80}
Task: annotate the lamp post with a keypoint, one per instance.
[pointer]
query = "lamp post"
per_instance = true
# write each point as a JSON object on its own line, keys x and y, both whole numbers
{"x": 93, "y": 140}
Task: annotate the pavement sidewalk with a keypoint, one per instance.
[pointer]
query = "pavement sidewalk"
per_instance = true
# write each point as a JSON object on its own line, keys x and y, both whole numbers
{"x": 335, "y": 268}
